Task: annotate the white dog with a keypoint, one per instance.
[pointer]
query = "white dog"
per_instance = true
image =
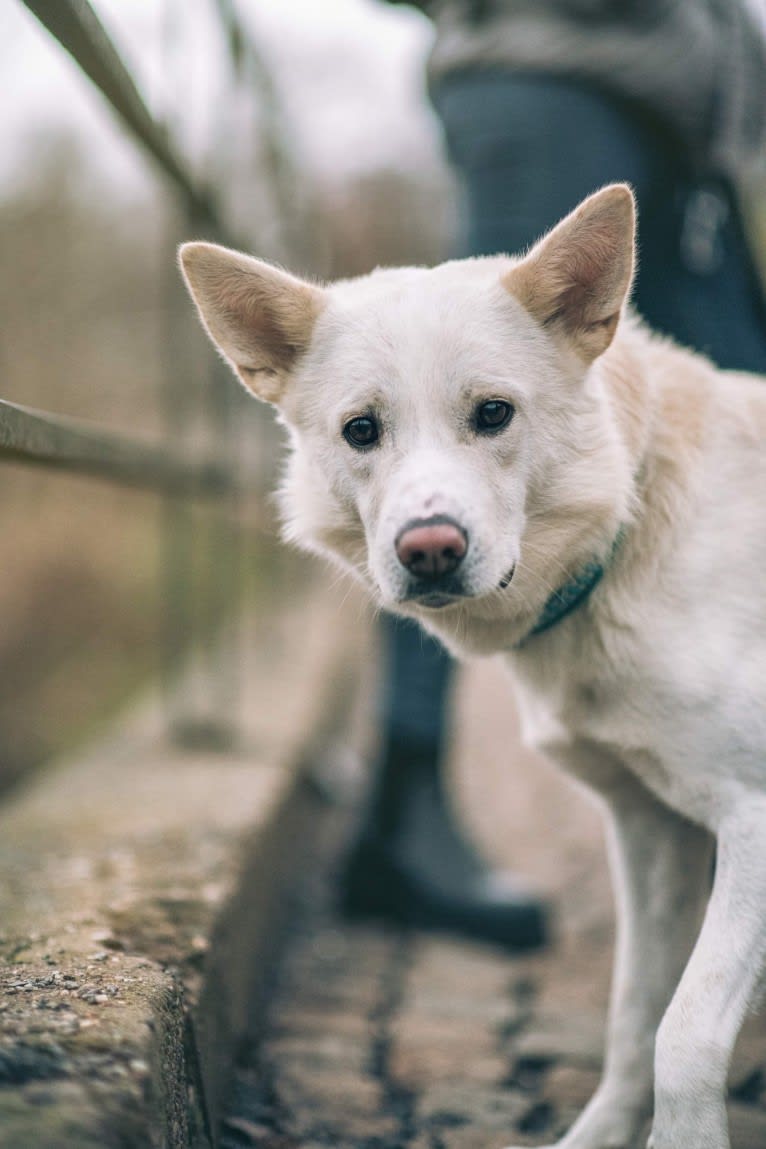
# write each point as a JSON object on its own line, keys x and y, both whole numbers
{"x": 497, "y": 448}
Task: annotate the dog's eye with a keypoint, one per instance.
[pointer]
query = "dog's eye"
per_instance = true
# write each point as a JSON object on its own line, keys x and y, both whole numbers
{"x": 493, "y": 415}
{"x": 361, "y": 432}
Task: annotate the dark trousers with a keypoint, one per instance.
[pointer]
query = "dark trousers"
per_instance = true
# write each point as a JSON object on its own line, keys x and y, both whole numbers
{"x": 527, "y": 149}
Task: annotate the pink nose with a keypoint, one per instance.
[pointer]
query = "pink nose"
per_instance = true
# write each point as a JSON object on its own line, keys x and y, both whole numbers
{"x": 432, "y": 547}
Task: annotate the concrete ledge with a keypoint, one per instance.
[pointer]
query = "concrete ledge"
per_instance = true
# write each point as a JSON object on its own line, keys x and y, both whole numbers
{"x": 142, "y": 891}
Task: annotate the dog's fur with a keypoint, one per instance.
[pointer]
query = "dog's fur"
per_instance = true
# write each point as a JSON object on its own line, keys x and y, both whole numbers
{"x": 652, "y": 691}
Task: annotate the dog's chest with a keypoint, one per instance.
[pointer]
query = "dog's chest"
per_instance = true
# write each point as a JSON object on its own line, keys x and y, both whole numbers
{"x": 685, "y": 745}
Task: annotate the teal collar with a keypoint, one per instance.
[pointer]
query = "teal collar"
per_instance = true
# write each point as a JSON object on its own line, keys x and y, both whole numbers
{"x": 573, "y": 593}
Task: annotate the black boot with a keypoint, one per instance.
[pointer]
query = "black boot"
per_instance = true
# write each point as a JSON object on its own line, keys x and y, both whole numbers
{"x": 422, "y": 872}
{"x": 411, "y": 863}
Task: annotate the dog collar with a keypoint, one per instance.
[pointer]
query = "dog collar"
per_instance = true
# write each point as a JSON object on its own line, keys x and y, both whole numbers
{"x": 573, "y": 593}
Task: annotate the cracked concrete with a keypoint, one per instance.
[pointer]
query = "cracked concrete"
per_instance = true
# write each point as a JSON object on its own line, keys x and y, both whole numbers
{"x": 142, "y": 892}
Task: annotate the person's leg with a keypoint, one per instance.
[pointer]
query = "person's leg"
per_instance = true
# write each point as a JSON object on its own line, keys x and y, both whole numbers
{"x": 529, "y": 148}
{"x": 698, "y": 282}
{"x": 411, "y": 862}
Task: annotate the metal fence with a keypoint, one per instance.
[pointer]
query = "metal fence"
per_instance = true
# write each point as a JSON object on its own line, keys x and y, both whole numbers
{"x": 38, "y": 438}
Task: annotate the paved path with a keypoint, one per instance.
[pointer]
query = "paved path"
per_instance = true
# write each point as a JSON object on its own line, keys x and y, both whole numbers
{"x": 383, "y": 1040}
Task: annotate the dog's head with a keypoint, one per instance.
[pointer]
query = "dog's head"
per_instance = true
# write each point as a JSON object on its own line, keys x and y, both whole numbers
{"x": 446, "y": 424}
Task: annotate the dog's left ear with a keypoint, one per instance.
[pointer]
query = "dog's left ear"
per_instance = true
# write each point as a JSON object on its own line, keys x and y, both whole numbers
{"x": 577, "y": 277}
{"x": 259, "y": 316}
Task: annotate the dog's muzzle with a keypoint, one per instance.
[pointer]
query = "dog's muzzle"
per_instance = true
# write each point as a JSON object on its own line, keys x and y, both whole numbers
{"x": 432, "y": 551}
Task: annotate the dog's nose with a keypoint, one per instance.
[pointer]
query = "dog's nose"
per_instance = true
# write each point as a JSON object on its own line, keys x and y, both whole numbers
{"x": 430, "y": 548}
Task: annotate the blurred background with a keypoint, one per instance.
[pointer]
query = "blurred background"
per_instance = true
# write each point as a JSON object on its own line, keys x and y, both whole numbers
{"x": 310, "y": 124}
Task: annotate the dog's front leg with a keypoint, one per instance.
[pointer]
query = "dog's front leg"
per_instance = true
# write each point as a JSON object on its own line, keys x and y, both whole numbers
{"x": 661, "y": 871}
{"x": 697, "y": 1034}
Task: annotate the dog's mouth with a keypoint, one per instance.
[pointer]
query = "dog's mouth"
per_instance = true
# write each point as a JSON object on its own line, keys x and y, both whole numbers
{"x": 433, "y": 600}
{"x": 436, "y": 594}
{"x": 449, "y": 592}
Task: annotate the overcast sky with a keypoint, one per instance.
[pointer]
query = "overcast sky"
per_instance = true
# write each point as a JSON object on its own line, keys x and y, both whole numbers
{"x": 350, "y": 73}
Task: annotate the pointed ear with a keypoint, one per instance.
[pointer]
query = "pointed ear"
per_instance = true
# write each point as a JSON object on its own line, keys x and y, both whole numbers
{"x": 260, "y": 317}
{"x": 578, "y": 276}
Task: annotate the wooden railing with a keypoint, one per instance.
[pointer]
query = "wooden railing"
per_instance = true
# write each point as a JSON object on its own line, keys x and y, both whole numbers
{"x": 39, "y": 438}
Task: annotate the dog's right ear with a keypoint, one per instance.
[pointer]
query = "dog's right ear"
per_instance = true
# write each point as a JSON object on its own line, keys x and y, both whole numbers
{"x": 260, "y": 317}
